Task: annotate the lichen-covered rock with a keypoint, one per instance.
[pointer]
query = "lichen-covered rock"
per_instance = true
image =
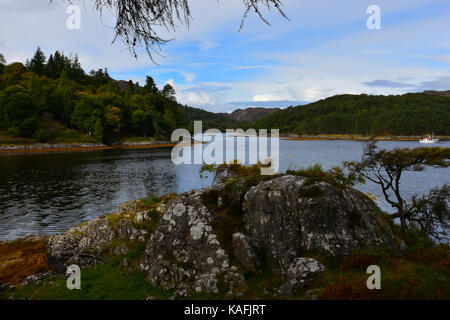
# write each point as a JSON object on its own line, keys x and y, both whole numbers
{"x": 86, "y": 245}
{"x": 245, "y": 250}
{"x": 7, "y": 286}
{"x": 81, "y": 245}
{"x": 184, "y": 252}
{"x": 299, "y": 274}
{"x": 289, "y": 217}
{"x": 36, "y": 279}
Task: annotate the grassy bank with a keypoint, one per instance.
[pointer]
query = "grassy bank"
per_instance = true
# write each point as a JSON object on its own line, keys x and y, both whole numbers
{"x": 423, "y": 273}
{"x": 420, "y": 272}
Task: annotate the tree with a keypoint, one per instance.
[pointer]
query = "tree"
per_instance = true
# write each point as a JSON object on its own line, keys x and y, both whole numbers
{"x": 98, "y": 129}
{"x": 86, "y": 113}
{"x": 17, "y": 110}
{"x": 113, "y": 118}
{"x": 137, "y": 21}
{"x": 37, "y": 63}
{"x": 150, "y": 85}
{"x": 170, "y": 120}
{"x": 142, "y": 121}
{"x": 2, "y": 63}
{"x": 12, "y": 74}
{"x": 168, "y": 92}
{"x": 431, "y": 213}
{"x": 35, "y": 87}
{"x": 386, "y": 167}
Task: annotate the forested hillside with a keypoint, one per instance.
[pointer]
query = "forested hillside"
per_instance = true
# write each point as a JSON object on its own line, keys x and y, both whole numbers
{"x": 409, "y": 114}
{"x": 210, "y": 120}
{"x": 55, "y": 100}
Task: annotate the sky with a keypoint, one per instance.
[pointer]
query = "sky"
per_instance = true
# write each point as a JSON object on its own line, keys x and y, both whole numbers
{"x": 324, "y": 49}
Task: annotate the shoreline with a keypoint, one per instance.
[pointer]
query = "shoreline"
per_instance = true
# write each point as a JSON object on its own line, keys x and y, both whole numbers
{"x": 291, "y": 137}
{"x": 74, "y": 147}
{"x": 38, "y": 148}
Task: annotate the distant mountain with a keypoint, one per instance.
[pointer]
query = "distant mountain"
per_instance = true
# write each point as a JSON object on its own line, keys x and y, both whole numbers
{"x": 221, "y": 121}
{"x": 408, "y": 114}
{"x": 438, "y": 93}
{"x": 252, "y": 114}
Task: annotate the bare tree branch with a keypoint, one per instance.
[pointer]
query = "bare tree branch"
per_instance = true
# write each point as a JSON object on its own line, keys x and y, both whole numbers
{"x": 137, "y": 21}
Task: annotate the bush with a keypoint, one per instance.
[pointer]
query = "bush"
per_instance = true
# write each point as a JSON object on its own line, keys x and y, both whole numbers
{"x": 13, "y": 132}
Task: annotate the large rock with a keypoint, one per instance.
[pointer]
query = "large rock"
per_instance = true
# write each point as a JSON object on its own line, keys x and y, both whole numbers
{"x": 283, "y": 219}
{"x": 289, "y": 217}
{"x": 81, "y": 245}
{"x": 184, "y": 253}
{"x": 88, "y": 244}
{"x": 245, "y": 250}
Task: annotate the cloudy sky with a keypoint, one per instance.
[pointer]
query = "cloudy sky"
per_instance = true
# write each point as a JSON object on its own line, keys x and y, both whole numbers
{"x": 325, "y": 49}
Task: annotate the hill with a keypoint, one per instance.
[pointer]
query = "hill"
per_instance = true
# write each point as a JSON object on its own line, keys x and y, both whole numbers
{"x": 252, "y": 115}
{"x": 54, "y": 101}
{"x": 221, "y": 121}
{"x": 408, "y": 114}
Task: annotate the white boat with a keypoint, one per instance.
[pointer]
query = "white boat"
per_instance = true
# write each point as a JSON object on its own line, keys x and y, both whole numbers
{"x": 429, "y": 140}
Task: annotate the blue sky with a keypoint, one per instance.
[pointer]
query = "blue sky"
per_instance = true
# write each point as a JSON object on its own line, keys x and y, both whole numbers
{"x": 325, "y": 49}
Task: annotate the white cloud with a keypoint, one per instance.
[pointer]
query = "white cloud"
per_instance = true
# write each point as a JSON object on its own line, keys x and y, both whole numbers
{"x": 267, "y": 97}
{"x": 200, "y": 99}
{"x": 189, "y": 77}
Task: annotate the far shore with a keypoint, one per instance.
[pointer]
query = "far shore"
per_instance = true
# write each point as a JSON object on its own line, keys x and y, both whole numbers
{"x": 292, "y": 137}
{"x": 70, "y": 147}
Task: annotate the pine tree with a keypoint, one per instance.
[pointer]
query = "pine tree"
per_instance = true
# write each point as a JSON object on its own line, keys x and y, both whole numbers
{"x": 37, "y": 64}
{"x": 51, "y": 68}
{"x": 150, "y": 85}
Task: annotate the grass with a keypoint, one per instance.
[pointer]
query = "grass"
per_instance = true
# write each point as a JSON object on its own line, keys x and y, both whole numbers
{"x": 420, "y": 274}
{"x": 110, "y": 281}
{"x": 64, "y": 136}
{"x": 137, "y": 139}
{"x": 72, "y": 136}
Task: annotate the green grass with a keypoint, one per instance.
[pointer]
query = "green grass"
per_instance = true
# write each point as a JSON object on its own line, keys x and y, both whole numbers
{"x": 109, "y": 281}
{"x": 72, "y": 136}
{"x": 137, "y": 139}
{"x": 419, "y": 274}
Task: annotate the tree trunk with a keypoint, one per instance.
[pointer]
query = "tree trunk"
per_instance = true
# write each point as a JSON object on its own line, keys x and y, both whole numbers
{"x": 403, "y": 222}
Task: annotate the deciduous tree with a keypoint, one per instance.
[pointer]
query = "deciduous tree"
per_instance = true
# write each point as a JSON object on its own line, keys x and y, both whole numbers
{"x": 387, "y": 167}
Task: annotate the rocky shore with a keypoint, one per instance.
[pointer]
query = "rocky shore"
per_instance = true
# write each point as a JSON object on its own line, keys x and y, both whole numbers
{"x": 229, "y": 240}
{"x": 54, "y": 147}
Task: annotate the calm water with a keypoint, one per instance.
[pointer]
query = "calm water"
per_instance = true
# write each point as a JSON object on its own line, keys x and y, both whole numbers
{"x": 48, "y": 193}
